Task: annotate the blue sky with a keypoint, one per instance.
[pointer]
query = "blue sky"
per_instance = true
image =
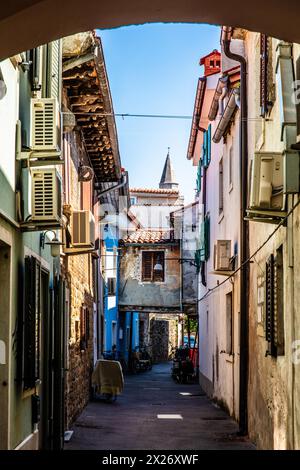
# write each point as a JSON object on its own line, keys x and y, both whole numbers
{"x": 153, "y": 69}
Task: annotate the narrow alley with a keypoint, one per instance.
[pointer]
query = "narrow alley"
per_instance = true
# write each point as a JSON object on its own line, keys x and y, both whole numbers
{"x": 132, "y": 422}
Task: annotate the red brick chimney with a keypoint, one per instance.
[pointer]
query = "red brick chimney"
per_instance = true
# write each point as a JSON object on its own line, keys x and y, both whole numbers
{"x": 211, "y": 62}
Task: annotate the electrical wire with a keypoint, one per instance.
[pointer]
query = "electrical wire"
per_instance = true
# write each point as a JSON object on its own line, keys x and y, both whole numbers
{"x": 155, "y": 116}
{"x": 281, "y": 223}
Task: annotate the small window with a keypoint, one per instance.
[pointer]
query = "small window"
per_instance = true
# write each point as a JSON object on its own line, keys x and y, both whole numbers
{"x": 114, "y": 333}
{"x": 84, "y": 328}
{"x": 111, "y": 285}
{"x": 229, "y": 323}
{"x": 153, "y": 266}
{"x": 221, "y": 187}
{"x": 132, "y": 201}
{"x": 218, "y": 63}
{"x": 211, "y": 63}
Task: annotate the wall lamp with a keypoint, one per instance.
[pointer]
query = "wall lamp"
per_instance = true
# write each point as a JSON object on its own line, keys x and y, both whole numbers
{"x": 55, "y": 244}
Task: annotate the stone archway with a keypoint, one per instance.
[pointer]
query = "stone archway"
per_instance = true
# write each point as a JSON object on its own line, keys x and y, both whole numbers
{"x": 27, "y": 23}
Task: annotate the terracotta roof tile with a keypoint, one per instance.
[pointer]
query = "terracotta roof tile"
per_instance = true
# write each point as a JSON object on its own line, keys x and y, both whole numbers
{"x": 148, "y": 236}
{"x": 154, "y": 191}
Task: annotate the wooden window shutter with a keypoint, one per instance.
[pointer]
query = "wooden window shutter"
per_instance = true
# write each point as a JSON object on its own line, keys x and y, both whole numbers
{"x": 31, "y": 337}
{"x": 147, "y": 265}
{"x": 54, "y": 70}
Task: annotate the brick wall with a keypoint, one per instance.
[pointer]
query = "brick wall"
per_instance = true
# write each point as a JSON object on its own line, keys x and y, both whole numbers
{"x": 78, "y": 270}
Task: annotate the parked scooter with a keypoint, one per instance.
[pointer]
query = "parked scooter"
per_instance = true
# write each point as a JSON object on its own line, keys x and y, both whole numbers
{"x": 141, "y": 360}
{"x": 182, "y": 368}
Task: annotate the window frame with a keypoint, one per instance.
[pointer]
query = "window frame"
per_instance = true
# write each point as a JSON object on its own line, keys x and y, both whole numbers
{"x": 154, "y": 260}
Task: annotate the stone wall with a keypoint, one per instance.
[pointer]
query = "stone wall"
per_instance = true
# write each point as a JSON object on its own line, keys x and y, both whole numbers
{"x": 160, "y": 332}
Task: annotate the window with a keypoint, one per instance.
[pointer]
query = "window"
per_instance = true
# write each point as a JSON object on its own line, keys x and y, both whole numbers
{"x": 218, "y": 63}
{"x": 211, "y": 63}
{"x": 84, "y": 328}
{"x": 132, "y": 200}
{"x": 274, "y": 304}
{"x": 230, "y": 168}
{"x": 111, "y": 285}
{"x": 229, "y": 323}
{"x": 114, "y": 333}
{"x": 153, "y": 266}
{"x": 221, "y": 188}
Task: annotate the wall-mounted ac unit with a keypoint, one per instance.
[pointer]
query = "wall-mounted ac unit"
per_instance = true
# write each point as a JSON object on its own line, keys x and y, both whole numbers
{"x": 267, "y": 181}
{"x": 82, "y": 229}
{"x": 45, "y": 125}
{"x": 222, "y": 255}
{"x": 46, "y": 189}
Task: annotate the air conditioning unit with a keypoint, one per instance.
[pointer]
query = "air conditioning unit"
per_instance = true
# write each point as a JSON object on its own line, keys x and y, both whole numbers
{"x": 46, "y": 193}
{"x": 267, "y": 181}
{"x": 45, "y": 125}
{"x": 222, "y": 255}
{"x": 82, "y": 228}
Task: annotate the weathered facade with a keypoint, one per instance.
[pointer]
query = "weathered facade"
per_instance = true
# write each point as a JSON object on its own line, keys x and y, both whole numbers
{"x": 216, "y": 149}
{"x": 274, "y": 381}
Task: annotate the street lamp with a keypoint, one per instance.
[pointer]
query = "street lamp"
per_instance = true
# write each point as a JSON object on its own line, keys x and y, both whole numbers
{"x": 55, "y": 244}
{"x": 158, "y": 267}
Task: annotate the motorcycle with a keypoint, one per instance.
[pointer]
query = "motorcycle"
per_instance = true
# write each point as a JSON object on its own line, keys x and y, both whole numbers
{"x": 182, "y": 368}
{"x": 141, "y": 360}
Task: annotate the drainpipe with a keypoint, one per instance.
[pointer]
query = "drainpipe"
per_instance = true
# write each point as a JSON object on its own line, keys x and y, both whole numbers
{"x": 244, "y": 244}
{"x": 123, "y": 182}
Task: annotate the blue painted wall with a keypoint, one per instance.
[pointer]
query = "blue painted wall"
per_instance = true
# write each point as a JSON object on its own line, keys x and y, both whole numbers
{"x": 111, "y": 316}
{"x": 125, "y": 321}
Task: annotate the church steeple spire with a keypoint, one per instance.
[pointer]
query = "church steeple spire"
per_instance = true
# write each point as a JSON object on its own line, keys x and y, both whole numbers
{"x": 167, "y": 180}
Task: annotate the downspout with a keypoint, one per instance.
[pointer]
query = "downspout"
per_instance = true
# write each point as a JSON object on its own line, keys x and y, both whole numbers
{"x": 244, "y": 242}
{"x": 123, "y": 182}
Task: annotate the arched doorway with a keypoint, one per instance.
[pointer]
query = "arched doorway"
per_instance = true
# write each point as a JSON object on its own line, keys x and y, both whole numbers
{"x": 28, "y": 23}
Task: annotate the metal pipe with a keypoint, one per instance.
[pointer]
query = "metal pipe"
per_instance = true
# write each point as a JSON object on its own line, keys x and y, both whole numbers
{"x": 244, "y": 242}
{"x": 119, "y": 185}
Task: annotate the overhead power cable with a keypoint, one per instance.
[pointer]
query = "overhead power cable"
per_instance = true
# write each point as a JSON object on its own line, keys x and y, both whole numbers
{"x": 281, "y": 223}
{"x": 155, "y": 116}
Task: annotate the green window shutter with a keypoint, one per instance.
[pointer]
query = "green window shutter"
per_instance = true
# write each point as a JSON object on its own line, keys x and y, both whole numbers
{"x": 207, "y": 237}
{"x": 31, "y": 323}
{"x": 205, "y": 162}
{"x": 202, "y": 242}
{"x": 54, "y": 70}
{"x": 208, "y": 132}
{"x": 199, "y": 175}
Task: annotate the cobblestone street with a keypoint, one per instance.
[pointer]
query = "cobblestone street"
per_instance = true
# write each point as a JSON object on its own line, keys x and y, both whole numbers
{"x": 132, "y": 421}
